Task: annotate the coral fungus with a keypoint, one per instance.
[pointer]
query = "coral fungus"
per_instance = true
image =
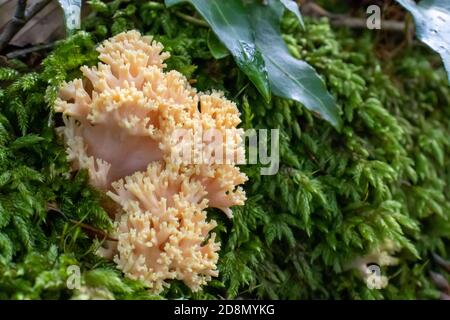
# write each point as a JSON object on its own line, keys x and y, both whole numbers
{"x": 120, "y": 123}
{"x": 161, "y": 236}
{"x": 369, "y": 265}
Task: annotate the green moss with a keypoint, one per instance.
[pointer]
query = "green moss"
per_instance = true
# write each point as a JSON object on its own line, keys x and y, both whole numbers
{"x": 336, "y": 197}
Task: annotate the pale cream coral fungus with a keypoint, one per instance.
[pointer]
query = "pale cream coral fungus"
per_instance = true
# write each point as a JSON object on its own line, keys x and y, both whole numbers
{"x": 163, "y": 233}
{"x": 119, "y": 125}
{"x": 369, "y": 265}
{"x": 220, "y": 181}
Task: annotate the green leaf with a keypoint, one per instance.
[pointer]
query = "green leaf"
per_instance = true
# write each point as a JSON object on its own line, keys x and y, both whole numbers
{"x": 217, "y": 49}
{"x": 98, "y": 6}
{"x": 5, "y": 177}
{"x": 106, "y": 278}
{"x": 170, "y": 3}
{"x": 292, "y": 6}
{"x": 229, "y": 21}
{"x": 8, "y": 74}
{"x": 5, "y": 216}
{"x": 289, "y": 77}
{"x": 251, "y": 32}
{"x": 432, "y": 18}
{"x": 6, "y": 247}
{"x": 26, "y": 141}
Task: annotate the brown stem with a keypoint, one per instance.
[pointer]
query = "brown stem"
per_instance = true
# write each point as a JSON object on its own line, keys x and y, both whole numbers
{"x": 357, "y": 23}
{"x": 90, "y": 229}
{"x": 440, "y": 281}
{"x": 341, "y": 20}
{"x": 190, "y": 19}
{"x": 20, "y": 18}
{"x": 32, "y": 11}
{"x": 441, "y": 262}
{"x": 100, "y": 233}
{"x": 17, "y": 21}
{"x": 22, "y": 52}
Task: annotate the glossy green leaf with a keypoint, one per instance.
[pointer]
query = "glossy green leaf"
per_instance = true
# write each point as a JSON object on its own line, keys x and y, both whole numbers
{"x": 432, "y": 18}
{"x": 170, "y": 3}
{"x": 250, "y": 31}
{"x": 289, "y": 77}
{"x": 292, "y": 6}
{"x": 217, "y": 49}
{"x": 229, "y": 21}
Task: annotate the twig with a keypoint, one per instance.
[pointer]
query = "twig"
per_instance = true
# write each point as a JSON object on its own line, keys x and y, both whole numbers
{"x": 198, "y": 22}
{"x": 96, "y": 231}
{"x": 356, "y": 23}
{"x": 20, "y": 18}
{"x": 32, "y": 11}
{"x": 441, "y": 262}
{"x": 17, "y": 21}
{"x": 54, "y": 207}
{"x": 22, "y": 52}
{"x": 341, "y": 20}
